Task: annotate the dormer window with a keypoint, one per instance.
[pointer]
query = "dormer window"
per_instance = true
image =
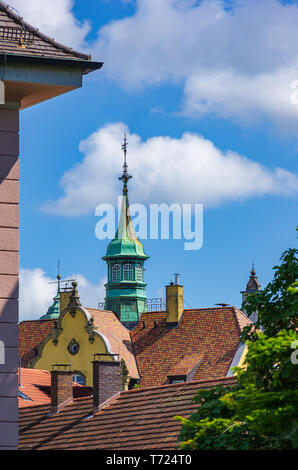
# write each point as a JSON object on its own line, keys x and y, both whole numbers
{"x": 116, "y": 272}
{"x": 128, "y": 272}
{"x": 176, "y": 379}
{"x": 139, "y": 273}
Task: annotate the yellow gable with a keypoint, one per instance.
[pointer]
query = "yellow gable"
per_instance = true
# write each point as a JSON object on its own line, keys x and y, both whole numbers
{"x": 74, "y": 341}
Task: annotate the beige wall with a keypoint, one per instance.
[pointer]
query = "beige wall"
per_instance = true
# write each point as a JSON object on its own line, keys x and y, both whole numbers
{"x": 9, "y": 269}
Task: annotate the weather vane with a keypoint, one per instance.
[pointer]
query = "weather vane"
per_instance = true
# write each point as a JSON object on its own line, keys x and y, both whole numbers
{"x": 64, "y": 281}
{"x": 125, "y": 176}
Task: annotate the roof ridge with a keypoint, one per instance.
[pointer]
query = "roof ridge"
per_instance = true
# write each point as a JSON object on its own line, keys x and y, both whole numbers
{"x": 194, "y": 309}
{"x": 209, "y": 308}
{"x": 37, "y": 319}
{"x": 99, "y": 311}
{"x": 18, "y": 19}
{"x": 138, "y": 390}
{"x": 182, "y": 384}
{"x": 237, "y": 312}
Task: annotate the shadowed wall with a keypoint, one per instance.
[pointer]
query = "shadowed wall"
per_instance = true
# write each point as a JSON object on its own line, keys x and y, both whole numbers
{"x": 9, "y": 274}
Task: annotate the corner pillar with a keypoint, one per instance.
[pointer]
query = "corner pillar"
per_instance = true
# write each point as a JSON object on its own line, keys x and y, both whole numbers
{"x": 9, "y": 276}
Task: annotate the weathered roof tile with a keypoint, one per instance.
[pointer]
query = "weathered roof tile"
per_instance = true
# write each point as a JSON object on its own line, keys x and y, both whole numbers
{"x": 137, "y": 419}
{"x": 207, "y": 337}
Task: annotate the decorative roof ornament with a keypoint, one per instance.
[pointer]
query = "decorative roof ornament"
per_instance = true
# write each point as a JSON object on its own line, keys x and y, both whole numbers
{"x": 125, "y": 289}
{"x": 125, "y": 242}
{"x": 125, "y": 176}
{"x": 74, "y": 300}
{"x": 123, "y": 373}
{"x": 53, "y": 311}
{"x": 253, "y": 283}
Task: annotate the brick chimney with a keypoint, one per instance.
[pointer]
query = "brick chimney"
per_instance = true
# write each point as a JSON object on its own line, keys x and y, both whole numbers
{"x": 106, "y": 379}
{"x": 61, "y": 386}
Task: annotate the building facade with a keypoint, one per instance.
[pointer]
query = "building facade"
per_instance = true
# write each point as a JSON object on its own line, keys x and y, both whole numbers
{"x": 33, "y": 68}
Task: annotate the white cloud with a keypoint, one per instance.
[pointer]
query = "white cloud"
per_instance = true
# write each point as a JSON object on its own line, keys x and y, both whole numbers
{"x": 36, "y": 292}
{"x": 237, "y": 63}
{"x": 56, "y": 19}
{"x": 189, "y": 169}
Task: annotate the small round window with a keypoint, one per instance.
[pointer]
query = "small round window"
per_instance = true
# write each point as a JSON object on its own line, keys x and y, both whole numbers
{"x": 73, "y": 347}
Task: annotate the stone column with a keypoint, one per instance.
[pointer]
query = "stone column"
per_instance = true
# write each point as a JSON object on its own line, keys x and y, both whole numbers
{"x": 9, "y": 276}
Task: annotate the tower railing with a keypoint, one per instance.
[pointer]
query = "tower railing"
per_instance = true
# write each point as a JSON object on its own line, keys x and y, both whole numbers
{"x": 157, "y": 304}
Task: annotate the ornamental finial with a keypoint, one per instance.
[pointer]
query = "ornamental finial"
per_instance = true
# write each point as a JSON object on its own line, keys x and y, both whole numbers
{"x": 58, "y": 275}
{"x": 253, "y": 271}
{"x": 125, "y": 176}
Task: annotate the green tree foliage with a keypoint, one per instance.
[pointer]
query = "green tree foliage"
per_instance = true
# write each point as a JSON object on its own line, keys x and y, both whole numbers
{"x": 261, "y": 410}
{"x": 276, "y": 306}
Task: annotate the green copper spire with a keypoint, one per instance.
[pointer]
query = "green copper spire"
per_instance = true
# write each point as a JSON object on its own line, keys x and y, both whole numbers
{"x": 54, "y": 310}
{"x": 125, "y": 242}
{"x": 125, "y": 289}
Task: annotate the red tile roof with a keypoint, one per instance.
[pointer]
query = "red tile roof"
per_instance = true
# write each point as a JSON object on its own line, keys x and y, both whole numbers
{"x": 208, "y": 336}
{"x": 37, "y": 43}
{"x": 107, "y": 323}
{"x": 35, "y": 384}
{"x": 135, "y": 420}
{"x": 186, "y": 364}
{"x": 31, "y": 335}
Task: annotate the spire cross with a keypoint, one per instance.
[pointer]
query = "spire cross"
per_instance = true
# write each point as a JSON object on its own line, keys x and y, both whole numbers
{"x": 125, "y": 176}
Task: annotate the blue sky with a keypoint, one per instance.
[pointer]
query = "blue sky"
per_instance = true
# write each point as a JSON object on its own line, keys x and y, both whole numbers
{"x": 203, "y": 92}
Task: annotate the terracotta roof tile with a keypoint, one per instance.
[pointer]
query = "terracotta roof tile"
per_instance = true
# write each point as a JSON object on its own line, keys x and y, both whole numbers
{"x": 31, "y": 335}
{"x": 186, "y": 364}
{"x": 210, "y": 336}
{"x": 35, "y": 385}
{"x": 107, "y": 323}
{"x": 242, "y": 319}
{"x": 137, "y": 419}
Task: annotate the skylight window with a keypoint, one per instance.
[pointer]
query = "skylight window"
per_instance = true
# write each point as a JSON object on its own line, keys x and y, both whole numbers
{"x": 25, "y": 397}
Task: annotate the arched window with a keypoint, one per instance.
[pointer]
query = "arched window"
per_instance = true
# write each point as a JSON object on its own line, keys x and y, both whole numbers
{"x": 79, "y": 378}
{"x": 139, "y": 273}
{"x": 116, "y": 272}
{"x": 128, "y": 272}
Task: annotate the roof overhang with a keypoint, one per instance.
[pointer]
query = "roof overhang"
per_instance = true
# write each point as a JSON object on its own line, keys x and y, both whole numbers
{"x": 85, "y": 66}
{"x": 29, "y": 80}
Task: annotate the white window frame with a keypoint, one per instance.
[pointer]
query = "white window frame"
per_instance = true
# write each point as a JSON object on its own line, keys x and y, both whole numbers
{"x": 116, "y": 272}
{"x": 128, "y": 272}
{"x": 139, "y": 273}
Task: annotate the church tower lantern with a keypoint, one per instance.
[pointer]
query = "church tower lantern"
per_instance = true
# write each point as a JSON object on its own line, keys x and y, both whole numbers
{"x": 125, "y": 257}
{"x": 252, "y": 286}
